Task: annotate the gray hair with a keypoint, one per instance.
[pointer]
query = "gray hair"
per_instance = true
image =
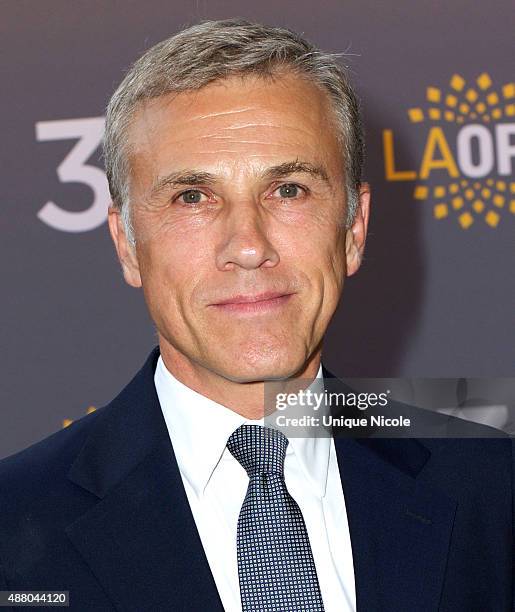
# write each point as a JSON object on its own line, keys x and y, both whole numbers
{"x": 214, "y": 50}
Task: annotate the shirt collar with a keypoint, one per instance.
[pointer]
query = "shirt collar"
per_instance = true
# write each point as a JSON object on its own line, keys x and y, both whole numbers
{"x": 199, "y": 429}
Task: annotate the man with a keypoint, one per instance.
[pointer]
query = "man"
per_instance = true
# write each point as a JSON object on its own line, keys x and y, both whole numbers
{"x": 234, "y": 153}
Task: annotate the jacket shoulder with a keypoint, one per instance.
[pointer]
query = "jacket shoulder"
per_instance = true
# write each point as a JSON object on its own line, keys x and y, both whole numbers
{"x": 43, "y": 466}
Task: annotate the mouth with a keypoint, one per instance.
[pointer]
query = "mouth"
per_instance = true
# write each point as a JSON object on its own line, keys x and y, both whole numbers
{"x": 258, "y": 303}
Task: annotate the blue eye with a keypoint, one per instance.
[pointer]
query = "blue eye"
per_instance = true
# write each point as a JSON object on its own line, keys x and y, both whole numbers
{"x": 191, "y": 196}
{"x": 289, "y": 190}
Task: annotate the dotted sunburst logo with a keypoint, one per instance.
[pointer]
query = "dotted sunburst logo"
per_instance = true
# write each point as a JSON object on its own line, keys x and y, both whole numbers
{"x": 470, "y": 134}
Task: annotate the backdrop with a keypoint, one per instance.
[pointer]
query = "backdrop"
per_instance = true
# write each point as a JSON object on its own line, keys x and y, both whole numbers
{"x": 435, "y": 296}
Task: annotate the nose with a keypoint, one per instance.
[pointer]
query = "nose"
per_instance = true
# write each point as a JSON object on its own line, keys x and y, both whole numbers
{"x": 245, "y": 240}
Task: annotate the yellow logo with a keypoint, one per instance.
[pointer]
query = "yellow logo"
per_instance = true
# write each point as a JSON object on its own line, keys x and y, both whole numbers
{"x": 470, "y": 142}
{"x": 68, "y": 422}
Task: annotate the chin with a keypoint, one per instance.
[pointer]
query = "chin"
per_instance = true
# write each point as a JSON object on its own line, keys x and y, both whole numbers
{"x": 259, "y": 365}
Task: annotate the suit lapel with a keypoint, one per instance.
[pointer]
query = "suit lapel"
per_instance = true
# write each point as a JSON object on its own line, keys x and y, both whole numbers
{"x": 141, "y": 542}
{"x": 140, "y": 539}
{"x": 400, "y": 526}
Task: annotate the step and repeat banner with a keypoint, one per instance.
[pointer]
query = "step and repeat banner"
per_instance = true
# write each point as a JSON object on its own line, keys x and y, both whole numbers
{"x": 436, "y": 294}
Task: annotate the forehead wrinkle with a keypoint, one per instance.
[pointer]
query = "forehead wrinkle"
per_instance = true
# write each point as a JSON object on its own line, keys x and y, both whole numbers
{"x": 282, "y": 134}
{"x": 231, "y": 151}
{"x": 222, "y": 113}
{"x": 220, "y": 134}
{"x": 230, "y": 137}
{"x": 252, "y": 124}
{"x": 242, "y": 141}
{"x": 263, "y": 124}
{"x": 237, "y": 152}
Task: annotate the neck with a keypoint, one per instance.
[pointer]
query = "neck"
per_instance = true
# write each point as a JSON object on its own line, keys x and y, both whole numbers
{"x": 244, "y": 398}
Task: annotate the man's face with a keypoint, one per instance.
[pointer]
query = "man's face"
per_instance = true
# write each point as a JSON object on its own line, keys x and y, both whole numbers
{"x": 239, "y": 205}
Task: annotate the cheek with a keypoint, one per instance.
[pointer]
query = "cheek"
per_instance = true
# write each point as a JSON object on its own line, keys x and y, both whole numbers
{"x": 325, "y": 258}
{"x": 167, "y": 272}
{"x": 170, "y": 243}
{"x": 319, "y": 244}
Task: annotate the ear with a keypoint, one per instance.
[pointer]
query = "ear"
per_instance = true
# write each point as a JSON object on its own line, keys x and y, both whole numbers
{"x": 126, "y": 252}
{"x": 357, "y": 233}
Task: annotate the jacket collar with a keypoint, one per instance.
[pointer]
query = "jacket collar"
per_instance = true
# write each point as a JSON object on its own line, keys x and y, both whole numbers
{"x": 132, "y": 425}
{"x": 128, "y": 428}
{"x": 140, "y": 539}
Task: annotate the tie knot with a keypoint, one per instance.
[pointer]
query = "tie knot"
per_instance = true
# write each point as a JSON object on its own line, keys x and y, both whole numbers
{"x": 260, "y": 450}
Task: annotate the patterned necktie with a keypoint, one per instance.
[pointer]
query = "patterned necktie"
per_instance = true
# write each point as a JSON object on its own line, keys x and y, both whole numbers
{"x": 275, "y": 563}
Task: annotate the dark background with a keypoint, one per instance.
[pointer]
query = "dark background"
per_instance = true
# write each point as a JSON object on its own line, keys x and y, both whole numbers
{"x": 431, "y": 300}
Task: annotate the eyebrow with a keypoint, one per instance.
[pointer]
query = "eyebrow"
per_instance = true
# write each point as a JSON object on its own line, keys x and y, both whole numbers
{"x": 183, "y": 177}
{"x": 198, "y": 177}
{"x": 296, "y": 167}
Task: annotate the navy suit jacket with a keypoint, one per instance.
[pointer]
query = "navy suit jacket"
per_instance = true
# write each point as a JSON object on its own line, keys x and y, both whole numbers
{"x": 99, "y": 509}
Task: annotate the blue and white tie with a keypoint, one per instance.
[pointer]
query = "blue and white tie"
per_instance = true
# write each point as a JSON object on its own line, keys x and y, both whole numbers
{"x": 275, "y": 562}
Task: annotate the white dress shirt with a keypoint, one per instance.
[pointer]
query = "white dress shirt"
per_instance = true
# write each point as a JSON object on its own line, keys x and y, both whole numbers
{"x": 216, "y": 485}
